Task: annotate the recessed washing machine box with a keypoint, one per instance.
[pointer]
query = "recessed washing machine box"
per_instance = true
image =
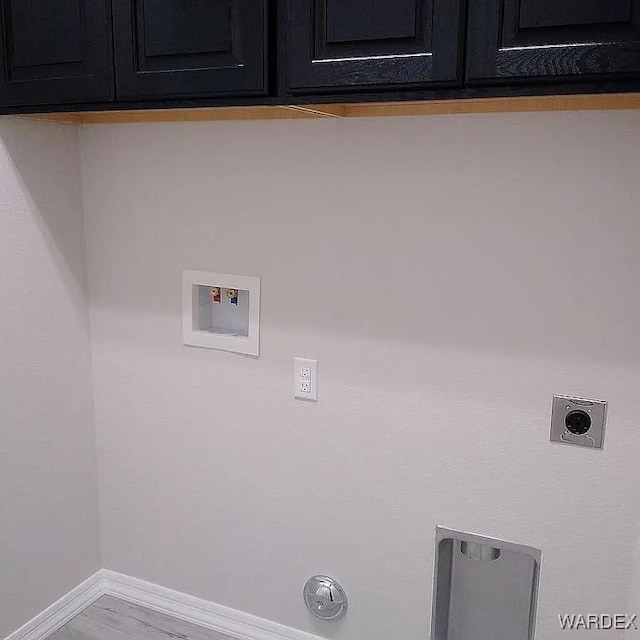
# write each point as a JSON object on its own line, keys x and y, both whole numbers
{"x": 484, "y": 588}
{"x": 221, "y": 311}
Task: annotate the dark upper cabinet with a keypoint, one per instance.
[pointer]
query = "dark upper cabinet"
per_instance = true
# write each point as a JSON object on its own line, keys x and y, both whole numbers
{"x": 55, "y": 51}
{"x": 512, "y": 40}
{"x": 68, "y": 54}
{"x": 338, "y": 45}
{"x": 190, "y": 48}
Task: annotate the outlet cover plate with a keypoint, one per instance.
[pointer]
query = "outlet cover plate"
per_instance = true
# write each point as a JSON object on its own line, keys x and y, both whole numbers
{"x": 596, "y": 410}
{"x": 305, "y": 379}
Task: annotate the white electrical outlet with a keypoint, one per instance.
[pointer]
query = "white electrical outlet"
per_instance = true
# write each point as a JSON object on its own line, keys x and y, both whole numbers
{"x": 305, "y": 386}
{"x": 305, "y": 379}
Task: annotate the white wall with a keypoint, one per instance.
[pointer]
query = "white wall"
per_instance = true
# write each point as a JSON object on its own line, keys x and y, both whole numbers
{"x": 450, "y": 274}
{"x": 634, "y": 599}
{"x": 48, "y": 482}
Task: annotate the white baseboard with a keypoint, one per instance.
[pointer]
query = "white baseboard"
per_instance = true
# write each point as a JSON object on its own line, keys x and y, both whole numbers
{"x": 237, "y": 624}
{"x": 60, "y": 612}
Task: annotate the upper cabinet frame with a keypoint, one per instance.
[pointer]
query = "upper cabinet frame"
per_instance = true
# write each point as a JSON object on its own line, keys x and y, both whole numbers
{"x": 334, "y": 45}
{"x": 534, "y": 40}
{"x": 190, "y": 48}
{"x": 55, "y": 52}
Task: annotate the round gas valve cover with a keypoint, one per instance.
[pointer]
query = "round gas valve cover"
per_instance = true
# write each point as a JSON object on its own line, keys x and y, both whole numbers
{"x": 325, "y": 598}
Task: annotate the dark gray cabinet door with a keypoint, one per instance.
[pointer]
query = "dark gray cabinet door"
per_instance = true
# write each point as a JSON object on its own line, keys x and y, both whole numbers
{"x": 341, "y": 45}
{"x": 54, "y": 52}
{"x": 536, "y": 39}
{"x": 190, "y": 48}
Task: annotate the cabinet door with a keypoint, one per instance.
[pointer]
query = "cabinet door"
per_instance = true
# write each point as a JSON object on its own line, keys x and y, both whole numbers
{"x": 572, "y": 39}
{"x": 190, "y": 48}
{"x": 55, "y": 51}
{"x": 338, "y": 45}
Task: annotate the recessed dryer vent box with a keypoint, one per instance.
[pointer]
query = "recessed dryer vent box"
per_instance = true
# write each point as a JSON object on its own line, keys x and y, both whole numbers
{"x": 484, "y": 589}
{"x": 221, "y": 311}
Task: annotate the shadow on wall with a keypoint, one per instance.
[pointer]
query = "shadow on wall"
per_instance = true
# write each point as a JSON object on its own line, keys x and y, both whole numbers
{"x": 49, "y": 538}
{"x": 53, "y": 192}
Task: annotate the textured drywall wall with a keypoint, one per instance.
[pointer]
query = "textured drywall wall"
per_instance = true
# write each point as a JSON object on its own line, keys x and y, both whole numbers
{"x": 633, "y": 606}
{"x": 450, "y": 274}
{"x": 48, "y": 480}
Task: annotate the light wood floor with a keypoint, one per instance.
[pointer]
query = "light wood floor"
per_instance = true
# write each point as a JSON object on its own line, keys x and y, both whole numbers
{"x": 111, "y": 619}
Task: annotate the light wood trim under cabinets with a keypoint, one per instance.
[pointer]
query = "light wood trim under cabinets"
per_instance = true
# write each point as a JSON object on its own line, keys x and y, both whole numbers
{"x": 613, "y": 101}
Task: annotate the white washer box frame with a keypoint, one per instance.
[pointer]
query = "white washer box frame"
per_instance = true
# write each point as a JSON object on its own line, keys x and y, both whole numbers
{"x": 248, "y": 345}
